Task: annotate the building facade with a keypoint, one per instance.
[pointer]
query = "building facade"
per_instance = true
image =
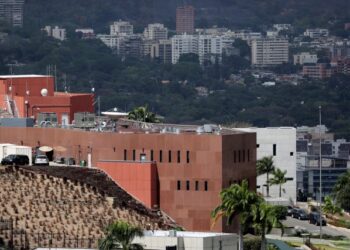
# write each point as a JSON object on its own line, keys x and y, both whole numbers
{"x": 162, "y": 51}
{"x": 185, "y": 20}
{"x": 305, "y": 57}
{"x": 155, "y": 32}
{"x": 269, "y": 52}
{"x": 280, "y": 143}
{"x": 192, "y": 167}
{"x": 11, "y": 11}
{"x": 121, "y": 28}
{"x": 317, "y": 70}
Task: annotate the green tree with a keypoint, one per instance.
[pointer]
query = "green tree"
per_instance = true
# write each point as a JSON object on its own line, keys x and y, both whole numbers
{"x": 341, "y": 191}
{"x": 119, "y": 235}
{"x": 279, "y": 178}
{"x": 236, "y": 200}
{"x": 329, "y": 206}
{"x": 143, "y": 114}
{"x": 264, "y": 219}
{"x": 265, "y": 166}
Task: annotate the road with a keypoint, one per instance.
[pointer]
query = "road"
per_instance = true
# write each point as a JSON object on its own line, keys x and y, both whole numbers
{"x": 291, "y": 222}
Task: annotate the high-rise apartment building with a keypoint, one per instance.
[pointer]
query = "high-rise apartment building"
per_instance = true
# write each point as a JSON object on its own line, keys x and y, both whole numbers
{"x": 162, "y": 51}
{"x": 121, "y": 28}
{"x": 185, "y": 19}
{"x": 269, "y": 51}
{"x": 156, "y": 32}
{"x": 11, "y": 11}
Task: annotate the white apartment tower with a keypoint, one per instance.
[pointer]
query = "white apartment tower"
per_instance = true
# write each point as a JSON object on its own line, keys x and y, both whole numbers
{"x": 183, "y": 44}
{"x": 121, "y": 28}
{"x": 155, "y": 32}
{"x": 11, "y": 11}
{"x": 269, "y": 51}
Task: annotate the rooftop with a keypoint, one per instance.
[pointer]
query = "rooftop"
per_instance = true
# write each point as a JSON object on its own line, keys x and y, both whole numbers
{"x": 22, "y": 76}
{"x": 191, "y": 234}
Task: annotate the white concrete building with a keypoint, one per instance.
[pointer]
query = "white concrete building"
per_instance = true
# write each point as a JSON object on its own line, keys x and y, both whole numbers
{"x": 269, "y": 51}
{"x": 305, "y": 57}
{"x": 183, "y": 240}
{"x": 279, "y": 142}
{"x": 316, "y": 33}
{"x": 155, "y": 32}
{"x": 109, "y": 40}
{"x": 207, "y": 47}
{"x": 56, "y": 32}
{"x": 121, "y": 28}
{"x": 282, "y": 26}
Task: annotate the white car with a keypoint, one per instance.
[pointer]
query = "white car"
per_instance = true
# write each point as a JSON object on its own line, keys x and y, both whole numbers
{"x": 41, "y": 160}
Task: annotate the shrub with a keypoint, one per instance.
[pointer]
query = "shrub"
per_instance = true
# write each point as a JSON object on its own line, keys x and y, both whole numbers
{"x": 252, "y": 243}
{"x": 281, "y": 212}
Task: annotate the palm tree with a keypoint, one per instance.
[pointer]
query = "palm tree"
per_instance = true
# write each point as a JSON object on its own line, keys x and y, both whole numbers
{"x": 264, "y": 219}
{"x": 279, "y": 178}
{"x": 265, "y": 166}
{"x": 119, "y": 235}
{"x": 329, "y": 207}
{"x": 341, "y": 191}
{"x": 236, "y": 200}
{"x": 143, "y": 114}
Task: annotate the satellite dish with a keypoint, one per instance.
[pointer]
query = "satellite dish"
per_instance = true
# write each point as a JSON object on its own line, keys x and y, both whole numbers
{"x": 44, "y": 92}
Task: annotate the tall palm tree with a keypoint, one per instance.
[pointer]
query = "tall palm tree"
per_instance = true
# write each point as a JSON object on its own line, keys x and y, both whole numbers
{"x": 265, "y": 166}
{"x": 236, "y": 200}
{"x": 279, "y": 178}
{"x": 264, "y": 219}
{"x": 119, "y": 235}
{"x": 341, "y": 191}
{"x": 143, "y": 114}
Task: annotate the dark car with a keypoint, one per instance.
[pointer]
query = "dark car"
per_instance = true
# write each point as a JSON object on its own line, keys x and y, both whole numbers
{"x": 289, "y": 210}
{"x": 300, "y": 214}
{"x": 315, "y": 218}
{"x": 15, "y": 160}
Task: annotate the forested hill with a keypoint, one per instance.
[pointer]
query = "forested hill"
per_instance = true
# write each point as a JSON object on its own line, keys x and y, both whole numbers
{"x": 230, "y": 13}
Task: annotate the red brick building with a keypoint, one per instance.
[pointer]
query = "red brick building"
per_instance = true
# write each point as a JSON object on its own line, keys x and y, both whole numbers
{"x": 185, "y": 20}
{"x": 317, "y": 71}
{"x": 28, "y": 95}
{"x": 182, "y": 173}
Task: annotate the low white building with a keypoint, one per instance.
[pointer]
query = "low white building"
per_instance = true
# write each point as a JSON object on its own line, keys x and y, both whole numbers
{"x": 280, "y": 143}
{"x": 56, "y": 32}
{"x": 305, "y": 57}
{"x": 183, "y": 240}
{"x": 316, "y": 33}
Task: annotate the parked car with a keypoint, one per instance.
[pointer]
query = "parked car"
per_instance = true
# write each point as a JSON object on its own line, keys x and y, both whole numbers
{"x": 300, "y": 214}
{"x": 315, "y": 218}
{"x": 289, "y": 210}
{"x": 15, "y": 160}
{"x": 41, "y": 160}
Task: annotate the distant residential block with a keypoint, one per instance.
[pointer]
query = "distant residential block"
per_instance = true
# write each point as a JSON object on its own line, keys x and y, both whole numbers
{"x": 162, "y": 51}
{"x": 11, "y": 11}
{"x": 317, "y": 70}
{"x": 305, "y": 57}
{"x": 185, "y": 19}
{"x": 56, "y": 32}
{"x": 269, "y": 51}
{"x": 316, "y": 33}
{"x": 156, "y": 32}
{"x": 86, "y": 33}
{"x": 121, "y": 28}
{"x": 282, "y": 26}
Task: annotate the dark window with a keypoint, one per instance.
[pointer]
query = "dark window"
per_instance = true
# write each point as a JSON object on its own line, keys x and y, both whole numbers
{"x": 239, "y": 155}
{"x": 178, "y": 185}
{"x": 291, "y": 153}
{"x": 125, "y": 155}
{"x": 197, "y": 185}
{"x": 152, "y": 155}
{"x": 243, "y": 154}
{"x": 234, "y": 156}
{"x": 160, "y": 156}
{"x": 188, "y": 156}
{"x": 187, "y": 185}
{"x": 274, "y": 150}
{"x": 169, "y": 155}
{"x": 257, "y": 145}
{"x": 248, "y": 155}
{"x": 133, "y": 154}
{"x": 178, "y": 156}
{"x": 206, "y": 186}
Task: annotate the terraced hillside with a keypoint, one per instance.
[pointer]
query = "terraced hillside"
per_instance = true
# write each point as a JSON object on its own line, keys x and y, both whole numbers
{"x": 65, "y": 207}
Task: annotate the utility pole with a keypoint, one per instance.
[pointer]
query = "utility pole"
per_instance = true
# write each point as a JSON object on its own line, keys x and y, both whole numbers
{"x": 320, "y": 160}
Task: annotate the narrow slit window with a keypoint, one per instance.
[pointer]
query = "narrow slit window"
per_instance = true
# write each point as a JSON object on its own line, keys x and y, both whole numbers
{"x": 169, "y": 156}
{"x": 187, "y": 185}
{"x": 152, "y": 157}
{"x": 178, "y": 185}
{"x": 188, "y": 156}
{"x": 178, "y": 156}
{"x": 160, "y": 156}
{"x": 134, "y": 155}
{"x": 205, "y": 185}
{"x": 196, "y": 185}
{"x": 125, "y": 155}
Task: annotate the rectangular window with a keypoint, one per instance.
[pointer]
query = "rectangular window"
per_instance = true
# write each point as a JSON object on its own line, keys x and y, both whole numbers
{"x": 187, "y": 185}
{"x": 178, "y": 185}
{"x": 152, "y": 159}
{"x": 206, "y": 186}
{"x": 160, "y": 156}
{"x": 125, "y": 155}
{"x": 239, "y": 155}
{"x": 234, "y": 156}
{"x": 248, "y": 155}
{"x": 291, "y": 153}
{"x": 133, "y": 154}
{"x": 274, "y": 150}
{"x": 243, "y": 154}
{"x": 257, "y": 145}
{"x": 188, "y": 156}
{"x": 197, "y": 185}
{"x": 178, "y": 156}
{"x": 169, "y": 157}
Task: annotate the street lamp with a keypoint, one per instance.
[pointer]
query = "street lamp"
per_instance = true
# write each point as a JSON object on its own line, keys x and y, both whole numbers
{"x": 320, "y": 163}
